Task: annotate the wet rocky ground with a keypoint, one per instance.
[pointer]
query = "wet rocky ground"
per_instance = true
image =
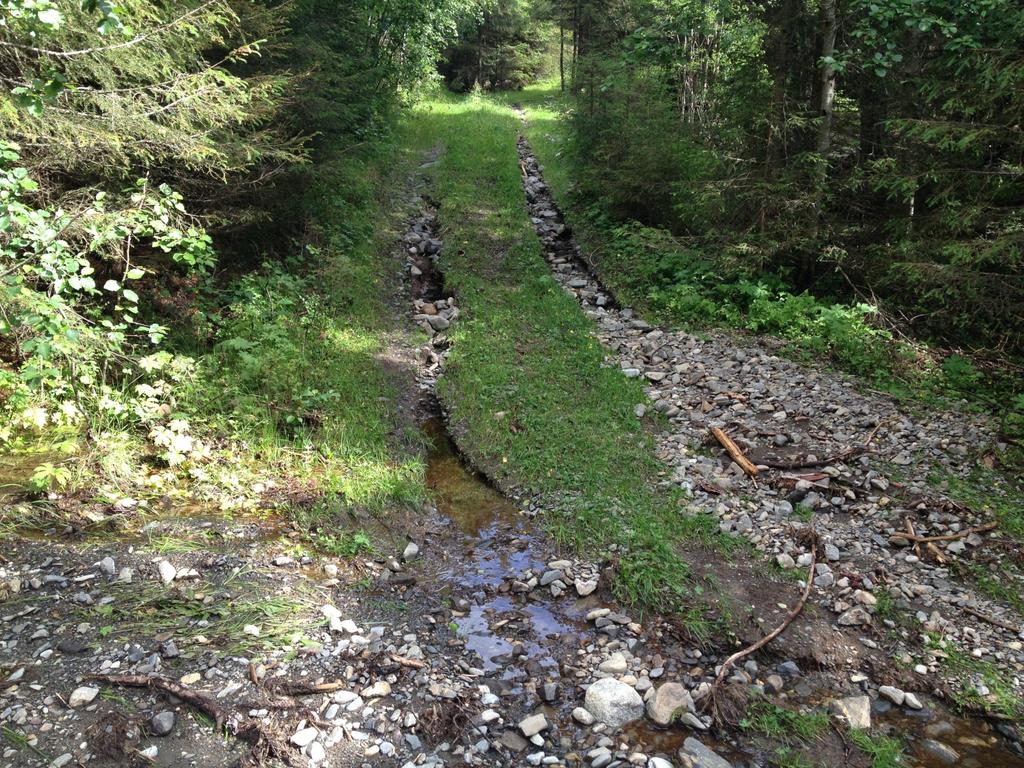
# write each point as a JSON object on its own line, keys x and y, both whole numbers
{"x": 467, "y": 638}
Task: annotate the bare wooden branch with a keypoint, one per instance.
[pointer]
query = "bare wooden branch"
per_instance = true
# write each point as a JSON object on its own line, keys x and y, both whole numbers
{"x": 911, "y": 535}
{"x": 200, "y": 701}
{"x": 742, "y": 654}
{"x": 992, "y": 620}
{"x": 734, "y": 451}
{"x": 411, "y": 663}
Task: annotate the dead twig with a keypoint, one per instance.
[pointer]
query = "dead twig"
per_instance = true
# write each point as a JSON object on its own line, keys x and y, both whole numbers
{"x": 198, "y": 700}
{"x": 911, "y": 535}
{"x": 874, "y": 432}
{"x": 991, "y": 619}
{"x": 843, "y": 456}
{"x": 734, "y": 451}
{"x": 291, "y": 688}
{"x": 264, "y": 742}
{"x": 411, "y": 663}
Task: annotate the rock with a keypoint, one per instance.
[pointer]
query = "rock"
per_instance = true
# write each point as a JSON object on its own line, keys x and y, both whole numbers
{"x": 613, "y": 702}
{"x": 410, "y": 551}
{"x": 856, "y": 710}
{"x": 378, "y": 690}
{"x": 304, "y": 737}
{"x": 942, "y": 753}
{"x": 317, "y": 753}
{"x": 533, "y": 725}
{"x": 166, "y": 571}
{"x": 895, "y": 695}
{"x": 513, "y": 741}
{"x": 701, "y": 756}
{"x": 72, "y": 645}
{"x": 785, "y": 561}
{"x": 162, "y": 723}
{"x": 855, "y": 616}
{"x": 107, "y": 566}
{"x": 582, "y": 716}
{"x": 774, "y": 683}
{"x": 668, "y": 703}
{"x": 616, "y": 664}
{"x": 585, "y": 587}
{"x": 912, "y": 701}
{"x": 82, "y": 696}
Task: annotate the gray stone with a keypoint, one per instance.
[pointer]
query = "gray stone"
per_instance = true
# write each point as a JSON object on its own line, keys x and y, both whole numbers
{"x": 701, "y": 756}
{"x": 615, "y": 665}
{"x": 613, "y": 702}
{"x": 82, "y": 696}
{"x": 162, "y": 723}
{"x": 533, "y": 724}
{"x": 856, "y": 710}
{"x": 943, "y": 753}
{"x": 668, "y": 703}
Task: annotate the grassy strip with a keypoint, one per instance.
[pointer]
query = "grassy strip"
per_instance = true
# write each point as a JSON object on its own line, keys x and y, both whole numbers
{"x": 299, "y": 374}
{"x": 526, "y": 384}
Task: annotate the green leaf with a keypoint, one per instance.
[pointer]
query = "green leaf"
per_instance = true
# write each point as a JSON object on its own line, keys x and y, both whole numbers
{"x": 51, "y": 17}
{"x": 134, "y": 274}
{"x": 130, "y": 295}
{"x": 111, "y": 285}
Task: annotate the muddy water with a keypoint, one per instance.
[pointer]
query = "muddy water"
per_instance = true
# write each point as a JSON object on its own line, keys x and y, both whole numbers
{"x": 512, "y": 634}
{"x": 16, "y": 473}
{"x": 975, "y": 742}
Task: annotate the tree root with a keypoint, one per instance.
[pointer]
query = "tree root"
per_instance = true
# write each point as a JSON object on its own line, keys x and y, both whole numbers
{"x": 265, "y": 743}
{"x": 742, "y": 654}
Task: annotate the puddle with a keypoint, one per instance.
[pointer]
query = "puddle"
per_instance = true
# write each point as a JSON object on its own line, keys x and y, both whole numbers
{"x": 16, "y": 472}
{"x": 975, "y": 742}
{"x": 509, "y": 632}
{"x": 461, "y": 495}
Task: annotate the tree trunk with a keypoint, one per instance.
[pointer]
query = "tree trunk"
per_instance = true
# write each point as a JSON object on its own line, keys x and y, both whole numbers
{"x": 561, "y": 51}
{"x": 828, "y": 76}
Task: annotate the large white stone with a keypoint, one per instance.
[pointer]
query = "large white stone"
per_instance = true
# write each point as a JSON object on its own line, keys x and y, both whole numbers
{"x": 614, "y": 702}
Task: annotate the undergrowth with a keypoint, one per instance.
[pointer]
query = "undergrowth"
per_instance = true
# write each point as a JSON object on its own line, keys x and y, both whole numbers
{"x": 694, "y": 282}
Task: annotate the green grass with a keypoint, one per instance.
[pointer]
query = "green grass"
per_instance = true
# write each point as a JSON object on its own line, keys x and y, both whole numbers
{"x": 19, "y": 741}
{"x": 985, "y": 490}
{"x": 783, "y": 725}
{"x": 1002, "y": 699}
{"x": 785, "y": 757}
{"x": 218, "y": 613}
{"x": 884, "y": 751}
{"x": 523, "y": 348}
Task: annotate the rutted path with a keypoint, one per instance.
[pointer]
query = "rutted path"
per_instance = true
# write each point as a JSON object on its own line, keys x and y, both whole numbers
{"x": 856, "y": 462}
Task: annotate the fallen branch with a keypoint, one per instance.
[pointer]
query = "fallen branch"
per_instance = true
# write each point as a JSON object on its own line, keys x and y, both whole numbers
{"x": 787, "y": 465}
{"x": 911, "y": 535}
{"x": 198, "y": 700}
{"x": 734, "y": 451}
{"x": 729, "y": 662}
{"x": 874, "y": 432}
{"x": 290, "y": 688}
{"x": 991, "y": 619}
{"x": 264, "y": 743}
{"x": 411, "y": 663}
